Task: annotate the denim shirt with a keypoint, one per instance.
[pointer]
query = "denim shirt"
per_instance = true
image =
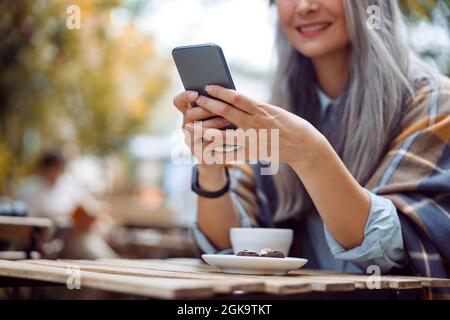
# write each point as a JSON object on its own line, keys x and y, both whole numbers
{"x": 382, "y": 245}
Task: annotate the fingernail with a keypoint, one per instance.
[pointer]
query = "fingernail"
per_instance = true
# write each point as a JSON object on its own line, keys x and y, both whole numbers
{"x": 208, "y": 88}
{"x": 189, "y": 126}
{"x": 192, "y": 95}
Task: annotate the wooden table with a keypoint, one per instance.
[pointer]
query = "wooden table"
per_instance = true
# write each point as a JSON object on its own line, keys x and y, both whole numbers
{"x": 191, "y": 279}
{"x": 24, "y": 233}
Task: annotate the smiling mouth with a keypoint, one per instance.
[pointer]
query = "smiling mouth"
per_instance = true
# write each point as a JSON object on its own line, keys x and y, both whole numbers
{"x": 312, "y": 30}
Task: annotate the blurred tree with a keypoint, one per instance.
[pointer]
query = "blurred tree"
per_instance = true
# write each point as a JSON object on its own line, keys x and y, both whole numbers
{"x": 418, "y": 9}
{"x": 87, "y": 88}
{"x": 436, "y": 13}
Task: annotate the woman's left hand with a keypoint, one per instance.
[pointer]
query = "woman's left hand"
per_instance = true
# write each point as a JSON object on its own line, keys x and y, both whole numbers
{"x": 295, "y": 134}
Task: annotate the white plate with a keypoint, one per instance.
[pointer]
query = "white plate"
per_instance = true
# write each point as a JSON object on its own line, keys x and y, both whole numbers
{"x": 253, "y": 265}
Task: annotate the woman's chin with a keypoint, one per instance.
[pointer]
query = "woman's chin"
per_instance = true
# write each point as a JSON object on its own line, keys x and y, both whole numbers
{"x": 313, "y": 52}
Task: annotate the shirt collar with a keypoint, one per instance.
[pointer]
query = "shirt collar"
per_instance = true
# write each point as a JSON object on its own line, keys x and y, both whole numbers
{"x": 325, "y": 100}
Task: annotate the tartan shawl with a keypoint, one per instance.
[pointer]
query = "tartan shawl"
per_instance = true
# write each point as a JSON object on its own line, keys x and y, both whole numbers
{"x": 414, "y": 174}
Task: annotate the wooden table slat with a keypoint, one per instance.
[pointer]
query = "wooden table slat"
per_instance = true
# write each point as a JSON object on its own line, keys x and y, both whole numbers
{"x": 279, "y": 284}
{"x": 191, "y": 279}
{"x": 361, "y": 281}
{"x": 149, "y": 287}
{"x": 221, "y": 284}
{"x": 387, "y": 281}
{"x": 273, "y": 284}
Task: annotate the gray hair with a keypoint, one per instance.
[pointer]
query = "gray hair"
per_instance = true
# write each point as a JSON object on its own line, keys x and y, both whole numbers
{"x": 371, "y": 103}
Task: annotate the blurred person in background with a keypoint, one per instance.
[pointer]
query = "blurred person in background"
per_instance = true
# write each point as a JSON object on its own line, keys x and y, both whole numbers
{"x": 51, "y": 193}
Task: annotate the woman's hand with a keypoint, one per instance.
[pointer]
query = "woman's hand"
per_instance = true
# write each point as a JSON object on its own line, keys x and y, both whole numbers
{"x": 211, "y": 176}
{"x": 183, "y": 101}
{"x": 217, "y": 215}
{"x": 295, "y": 135}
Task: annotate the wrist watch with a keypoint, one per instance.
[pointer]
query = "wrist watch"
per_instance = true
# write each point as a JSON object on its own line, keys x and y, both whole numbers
{"x": 208, "y": 194}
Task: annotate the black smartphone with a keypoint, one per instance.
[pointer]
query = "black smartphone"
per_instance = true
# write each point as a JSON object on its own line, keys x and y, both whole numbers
{"x": 200, "y": 65}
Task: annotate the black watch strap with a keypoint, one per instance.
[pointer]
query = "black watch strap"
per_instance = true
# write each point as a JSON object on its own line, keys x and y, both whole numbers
{"x": 208, "y": 194}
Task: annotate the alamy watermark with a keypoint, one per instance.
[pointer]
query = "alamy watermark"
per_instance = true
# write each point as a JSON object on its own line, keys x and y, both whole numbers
{"x": 73, "y": 280}
{"x": 374, "y": 19}
{"x": 73, "y": 21}
{"x": 229, "y": 146}
{"x": 374, "y": 281}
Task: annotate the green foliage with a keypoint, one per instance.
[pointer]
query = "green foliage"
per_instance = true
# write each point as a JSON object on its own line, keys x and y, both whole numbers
{"x": 418, "y": 9}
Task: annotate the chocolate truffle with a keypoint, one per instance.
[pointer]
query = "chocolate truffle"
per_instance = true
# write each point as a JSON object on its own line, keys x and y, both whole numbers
{"x": 269, "y": 253}
{"x": 247, "y": 253}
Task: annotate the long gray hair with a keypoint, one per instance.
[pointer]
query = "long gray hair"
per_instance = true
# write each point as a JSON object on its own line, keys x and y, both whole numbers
{"x": 370, "y": 105}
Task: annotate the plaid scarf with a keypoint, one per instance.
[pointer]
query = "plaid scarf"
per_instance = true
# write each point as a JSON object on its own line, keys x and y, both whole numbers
{"x": 415, "y": 175}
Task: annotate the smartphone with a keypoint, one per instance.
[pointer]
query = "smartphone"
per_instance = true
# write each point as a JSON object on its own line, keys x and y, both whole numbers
{"x": 200, "y": 65}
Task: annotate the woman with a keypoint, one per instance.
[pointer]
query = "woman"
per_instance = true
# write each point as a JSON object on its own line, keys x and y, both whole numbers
{"x": 364, "y": 134}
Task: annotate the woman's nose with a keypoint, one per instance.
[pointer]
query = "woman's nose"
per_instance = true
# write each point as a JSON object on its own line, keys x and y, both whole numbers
{"x": 307, "y": 7}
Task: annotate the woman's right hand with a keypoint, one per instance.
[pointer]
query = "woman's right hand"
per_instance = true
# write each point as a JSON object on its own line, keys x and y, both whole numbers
{"x": 183, "y": 101}
{"x": 215, "y": 216}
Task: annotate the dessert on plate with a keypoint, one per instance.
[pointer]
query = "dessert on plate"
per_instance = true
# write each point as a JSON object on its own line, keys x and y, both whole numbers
{"x": 267, "y": 253}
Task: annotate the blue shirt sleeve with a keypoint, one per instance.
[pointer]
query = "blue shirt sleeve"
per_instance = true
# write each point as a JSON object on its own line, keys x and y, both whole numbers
{"x": 382, "y": 244}
{"x": 202, "y": 241}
